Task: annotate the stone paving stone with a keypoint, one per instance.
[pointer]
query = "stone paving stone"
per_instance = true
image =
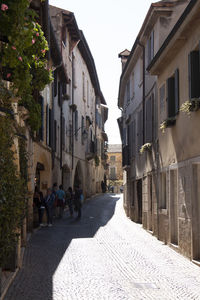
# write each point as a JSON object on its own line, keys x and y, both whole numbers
{"x": 104, "y": 256}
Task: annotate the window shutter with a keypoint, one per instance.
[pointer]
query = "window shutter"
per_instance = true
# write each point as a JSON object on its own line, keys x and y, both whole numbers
{"x": 55, "y": 135}
{"x": 63, "y": 88}
{"x": 194, "y": 76}
{"x": 134, "y": 138}
{"x": 47, "y": 124}
{"x": 149, "y": 120}
{"x": 55, "y": 83}
{"x": 176, "y": 76}
{"x": 50, "y": 128}
{"x": 63, "y": 133}
{"x": 171, "y": 97}
{"x": 76, "y": 124}
{"x": 41, "y": 130}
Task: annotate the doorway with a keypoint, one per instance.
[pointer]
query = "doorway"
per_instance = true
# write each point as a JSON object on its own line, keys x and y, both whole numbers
{"x": 139, "y": 200}
{"x": 173, "y": 207}
{"x": 196, "y": 212}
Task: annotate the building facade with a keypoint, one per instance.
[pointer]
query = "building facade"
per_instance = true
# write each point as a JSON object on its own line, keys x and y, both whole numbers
{"x": 153, "y": 193}
{"x": 115, "y": 171}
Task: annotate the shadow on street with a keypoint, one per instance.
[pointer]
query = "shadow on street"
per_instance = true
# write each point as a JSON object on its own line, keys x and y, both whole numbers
{"x": 47, "y": 246}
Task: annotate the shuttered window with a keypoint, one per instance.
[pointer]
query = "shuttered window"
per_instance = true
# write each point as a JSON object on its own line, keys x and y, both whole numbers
{"x": 76, "y": 124}
{"x": 41, "y": 130}
{"x": 173, "y": 95}
{"x": 63, "y": 133}
{"x": 55, "y": 135}
{"x": 149, "y": 120}
{"x": 150, "y": 48}
{"x": 47, "y": 124}
{"x": 139, "y": 130}
{"x": 194, "y": 74}
{"x": 50, "y": 128}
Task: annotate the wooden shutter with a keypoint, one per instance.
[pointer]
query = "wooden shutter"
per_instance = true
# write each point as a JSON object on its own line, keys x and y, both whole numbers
{"x": 176, "y": 77}
{"x": 171, "y": 97}
{"x": 63, "y": 133}
{"x": 55, "y": 135}
{"x": 148, "y": 124}
{"x": 152, "y": 45}
{"x": 47, "y": 124}
{"x": 41, "y": 130}
{"x": 194, "y": 76}
{"x": 50, "y": 128}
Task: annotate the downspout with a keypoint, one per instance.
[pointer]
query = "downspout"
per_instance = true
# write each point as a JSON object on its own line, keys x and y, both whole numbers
{"x": 143, "y": 90}
{"x": 61, "y": 126}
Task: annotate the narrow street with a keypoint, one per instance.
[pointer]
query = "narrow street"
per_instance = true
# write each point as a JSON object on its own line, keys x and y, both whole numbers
{"x": 103, "y": 256}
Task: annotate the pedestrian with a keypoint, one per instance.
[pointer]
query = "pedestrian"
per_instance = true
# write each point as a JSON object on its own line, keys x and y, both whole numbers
{"x": 54, "y": 189}
{"x": 103, "y": 186}
{"x": 69, "y": 200}
{"x": 77, "y": 201}
{"x": 38, "y": 202}
{"x": 49, "y": 203}
{"x": 60, "y": 199}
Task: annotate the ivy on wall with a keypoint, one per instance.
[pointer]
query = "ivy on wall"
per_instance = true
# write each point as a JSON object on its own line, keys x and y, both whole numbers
{"x": 23, "y": 56}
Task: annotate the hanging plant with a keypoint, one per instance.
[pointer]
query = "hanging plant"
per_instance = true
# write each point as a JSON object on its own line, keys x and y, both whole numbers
{"x": 145, "y": 147}
{"x": 23, "y": 56}
{"x": 97, "y": 161}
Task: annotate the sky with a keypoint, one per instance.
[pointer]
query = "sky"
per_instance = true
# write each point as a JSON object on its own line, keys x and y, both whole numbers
{"x": 109, "y": 26}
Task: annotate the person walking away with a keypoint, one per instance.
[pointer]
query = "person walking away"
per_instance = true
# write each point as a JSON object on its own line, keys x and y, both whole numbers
{"x": 38, "y": 202}
{"x": 54, "y": 189}
{"x": 77, "y": 202}
{"x": 60, "y": 196}
{"x": 49, "y": 202}
{"x": 69, "y": 200}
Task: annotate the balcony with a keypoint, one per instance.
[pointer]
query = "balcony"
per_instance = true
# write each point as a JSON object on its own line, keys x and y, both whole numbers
{"x": 125, "y": 157}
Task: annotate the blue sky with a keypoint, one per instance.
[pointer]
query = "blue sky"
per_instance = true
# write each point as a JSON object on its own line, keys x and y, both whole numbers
{"x": 109, "y": 26}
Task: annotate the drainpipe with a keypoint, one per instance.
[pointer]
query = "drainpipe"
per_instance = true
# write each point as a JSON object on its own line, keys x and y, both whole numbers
{"x": 61, "y": 125}
{"x": 143, "y": 90}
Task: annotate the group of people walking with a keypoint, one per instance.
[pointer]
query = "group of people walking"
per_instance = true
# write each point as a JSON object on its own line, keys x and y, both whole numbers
{"x": 55, "y": 201}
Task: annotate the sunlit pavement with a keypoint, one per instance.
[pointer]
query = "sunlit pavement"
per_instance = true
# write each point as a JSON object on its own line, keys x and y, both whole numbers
{"x": 101, "y": 257}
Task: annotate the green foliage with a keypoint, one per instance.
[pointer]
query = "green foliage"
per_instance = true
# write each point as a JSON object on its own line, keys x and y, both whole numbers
{"x": 23, "y": 57}
{"x": 145, "y": 147}
{"x": 12, "y": 192}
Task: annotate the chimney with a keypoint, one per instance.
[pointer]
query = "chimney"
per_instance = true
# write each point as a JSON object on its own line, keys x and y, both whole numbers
{"x": 124, "y": 56}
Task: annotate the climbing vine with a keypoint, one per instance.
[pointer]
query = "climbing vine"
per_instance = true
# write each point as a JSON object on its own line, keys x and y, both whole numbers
{"x": 23, "y": 56}
{"x": 23, "y": 74}
{"x": 12, "y": 191}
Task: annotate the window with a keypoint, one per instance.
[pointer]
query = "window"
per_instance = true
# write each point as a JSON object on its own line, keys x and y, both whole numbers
{"x": 173, "y": 94}
{"x": 139, "y": 130}
{"x": 76, "y": 124}
{"x": 55, "y": 135}
{"x": 50, "y": 128}
{"x": 150, "y": 48}
{"x": 112, "y": 158}
{"x": 82, "y": 128}
{"x": 83, "y": 85}
{"x": 112, "y": 173}
{"x": 47, "y": 125}
{"x": 162, "y": 102}
{"x": 163, "y": 203}
{"x": 41, "y": 130}
{"x": 149, "y": 120}
{"x": 63, "y": 133}
{"x": 194, "y": 75}
{"x": 88, "y": 94}
{"x": 128, "y": 91}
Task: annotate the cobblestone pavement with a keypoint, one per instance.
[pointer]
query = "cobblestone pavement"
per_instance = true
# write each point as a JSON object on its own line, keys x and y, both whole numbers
{"x": 104, "y": 256}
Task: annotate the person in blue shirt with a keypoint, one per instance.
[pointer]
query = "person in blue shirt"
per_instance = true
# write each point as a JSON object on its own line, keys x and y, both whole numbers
{"x": 60, "y": 196}
{"x": 49, "y": 201}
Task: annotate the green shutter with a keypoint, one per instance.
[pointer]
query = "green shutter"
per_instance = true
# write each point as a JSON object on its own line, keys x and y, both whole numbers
{"x": 171, "y": 97}
{"x": 194, "y": 75}
{"x": 176, "y": 75}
